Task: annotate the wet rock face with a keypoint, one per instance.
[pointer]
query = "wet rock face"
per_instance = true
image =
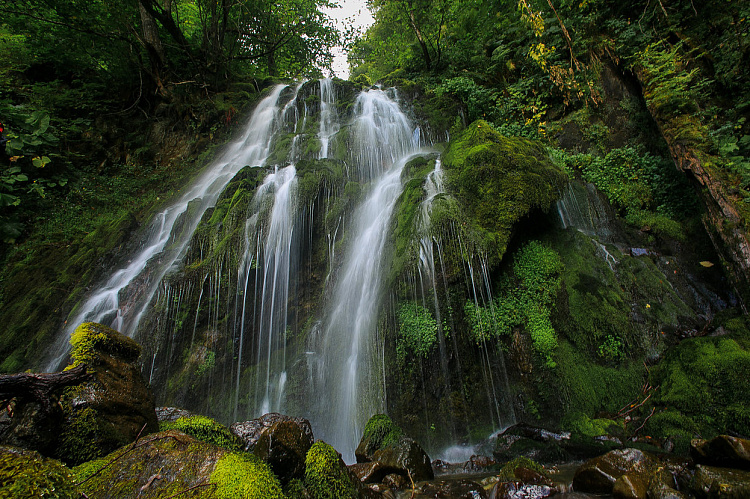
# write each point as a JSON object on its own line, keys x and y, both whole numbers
{"x": 284, "y": 446}
{"x": 250, "y": 431}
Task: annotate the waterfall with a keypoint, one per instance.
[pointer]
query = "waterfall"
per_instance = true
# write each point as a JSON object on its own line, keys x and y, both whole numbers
{"x": 329, "y": 120}
{"x": 349, "y": 374}
{"x": 121, "y": 301}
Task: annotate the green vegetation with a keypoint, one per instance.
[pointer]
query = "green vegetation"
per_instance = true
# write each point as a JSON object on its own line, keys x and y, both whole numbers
{"x": 245, "y": 475}
{"x": 326, "y": 476}
{"x": 417, "y": 331}
{"x": 381, "y": 432}
{"x": 523, "y": 300}
{"x": 28, "y": 474}
{"x": 206, "y": 430}
{"x": 701, "y": 382}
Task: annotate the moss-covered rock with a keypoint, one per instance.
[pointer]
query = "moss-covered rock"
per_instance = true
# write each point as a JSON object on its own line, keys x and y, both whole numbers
{"x": 703, "y": 387}
{"x": 326, "y": 475}
{"x": 112, "y": 409}
{"x": 500, "y": 180}
{"x": 206, "y": 430}
{"x": 244, "y": 475}
{"x": 171, "y": 462}
{"x": 380, "y": 432}
{"x": 29, "y": 475}
{"x": 508, "y": 471}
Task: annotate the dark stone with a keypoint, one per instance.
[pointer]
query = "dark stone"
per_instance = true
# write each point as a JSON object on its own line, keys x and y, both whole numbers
{"x": 372, "y": 472}
{"x": 723, "y": 450}
{"x": 409, "y": 457}
{"x": 453, "y": 489}
{"x": 250, "y": 431}
{"x": 598, "y": 475}
{"x": 710, "y": 481}
{"x": 284, "y": 446}
{"x": 396, "y": 481}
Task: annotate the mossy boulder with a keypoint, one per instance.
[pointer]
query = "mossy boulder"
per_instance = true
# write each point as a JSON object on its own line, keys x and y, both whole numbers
{"x": 115, "y": 407}
{"x": 500, "y": 180}
{"x": 326, "y": 475}
{"x": 27, "y": 474}
{"x": 380, "y": 432}
{"x": 206, "y": 430}
{"x": 170, "y": 462}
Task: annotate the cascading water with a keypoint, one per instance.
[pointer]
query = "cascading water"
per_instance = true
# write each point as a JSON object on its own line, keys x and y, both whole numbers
{"x": 121, "y": 301}
{"x": 329, "y": 120}
{"x": 348, "y": 374}
{"x": 271, "y": 302}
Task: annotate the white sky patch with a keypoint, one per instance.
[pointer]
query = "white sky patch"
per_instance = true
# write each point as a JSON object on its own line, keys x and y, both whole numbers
{"x": 350, "y": 13}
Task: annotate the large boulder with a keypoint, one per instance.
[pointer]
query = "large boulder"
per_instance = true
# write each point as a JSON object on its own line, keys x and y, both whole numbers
{"x": 407, "y": 456}
{"x": 284, "y": 446}
{"x": 711, "y": 481}
{"x": 250, "y": 431}
{"x": 113, "y": 408}
{"x": 171, "y": 463}
{"x": 723, "y": 450}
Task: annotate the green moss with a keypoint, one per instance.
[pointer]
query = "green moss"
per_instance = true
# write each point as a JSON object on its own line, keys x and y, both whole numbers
{"x": 703, "y": 385}
{"x": 206, "y": 430}
{"x": 90, "y": 338}
{"x": 582, "y": 424}
{"x": 295, "y": 489}
{"x": 507, "y": 472}
{"x": 80, "y": 440}
{"x": 524, "y": 299}
{"x": 417, "y": 331}
{"x": 381, "y": 432}
{"x": 326, "y": 476}
{"x": 244, "y": 475}
{"x": 584, "y": 386}
{"x": 500, "y": 180}
{"x": 26, "y": 474}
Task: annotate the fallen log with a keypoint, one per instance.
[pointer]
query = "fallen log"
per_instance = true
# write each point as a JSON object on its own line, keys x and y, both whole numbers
{"x": 40, "y": 387}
